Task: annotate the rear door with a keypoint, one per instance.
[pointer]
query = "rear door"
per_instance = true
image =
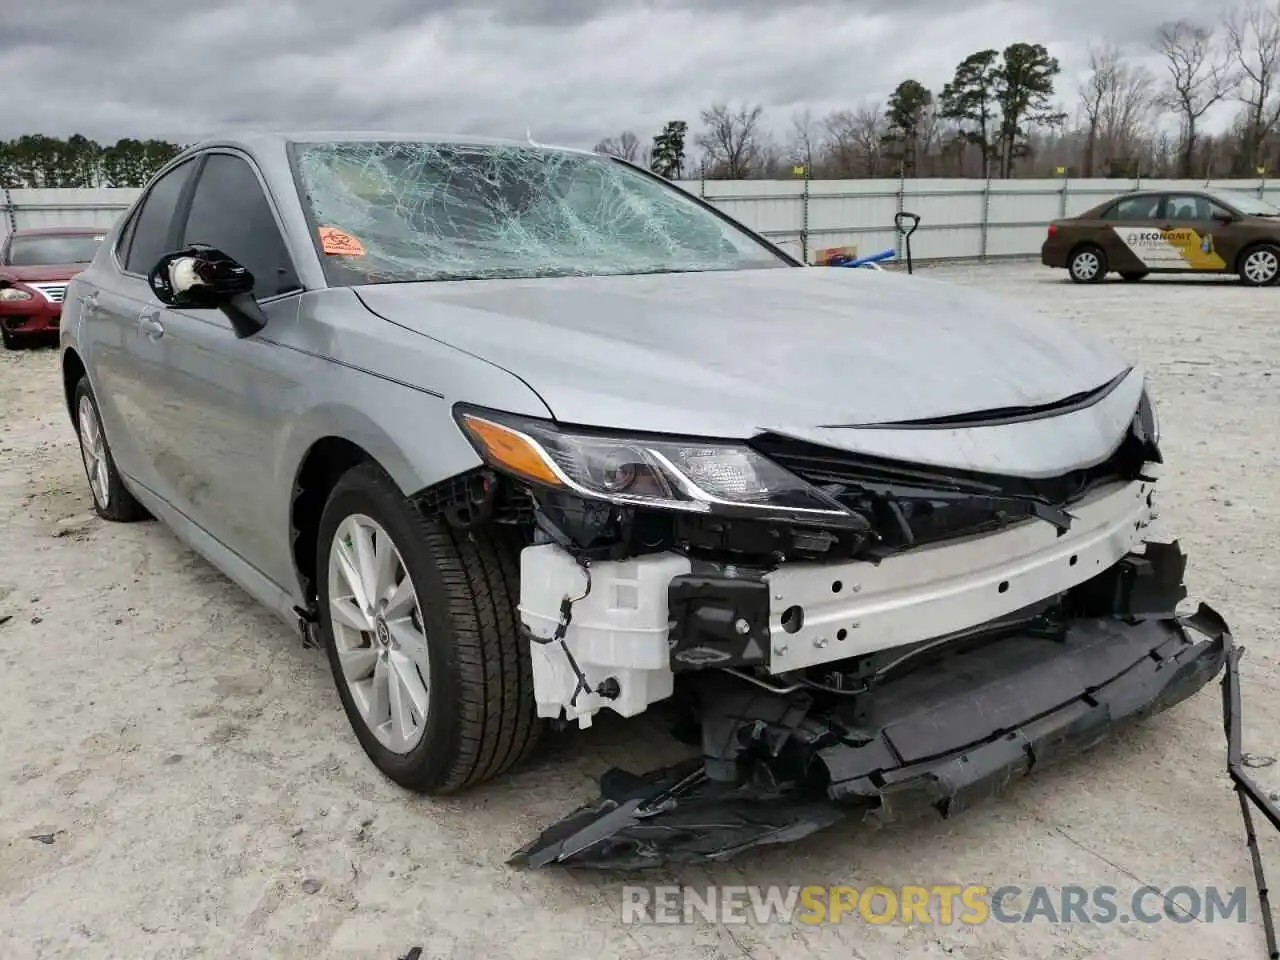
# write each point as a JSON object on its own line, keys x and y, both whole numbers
{"x": 1188, "y": 226}
{"x": 1133, "y": 232}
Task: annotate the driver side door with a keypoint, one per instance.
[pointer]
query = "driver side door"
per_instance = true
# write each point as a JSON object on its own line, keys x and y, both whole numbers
{"x": 218, "y": 404}
{"x": 1188, "y": 225}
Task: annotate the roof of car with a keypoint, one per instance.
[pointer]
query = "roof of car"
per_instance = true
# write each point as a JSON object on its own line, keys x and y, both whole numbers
{"x": 278, "y": 138}
{"x": 58, "y": 231}
{"x": 1225, "y": 194}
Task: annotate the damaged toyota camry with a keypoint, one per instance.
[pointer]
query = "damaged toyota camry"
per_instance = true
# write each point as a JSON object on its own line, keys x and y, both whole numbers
{"x": 520, "y": 434}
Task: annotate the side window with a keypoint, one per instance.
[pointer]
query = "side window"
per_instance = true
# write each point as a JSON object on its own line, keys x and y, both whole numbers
{"x": 126, "y": 236}
{"x": 230, "y": 212}
{"x": 1219, "y": 212}
{"x": 1186, "y": 207}
{"x": 1133, "y": 208}
{"x": 147, "y": 237}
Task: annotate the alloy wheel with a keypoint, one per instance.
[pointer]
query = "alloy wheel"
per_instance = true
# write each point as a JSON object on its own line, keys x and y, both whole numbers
{"x": 93, "y": 450}
{"x": 378, "y": 633}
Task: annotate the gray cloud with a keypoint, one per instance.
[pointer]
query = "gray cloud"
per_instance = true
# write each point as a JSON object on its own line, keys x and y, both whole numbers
{"x": 571, "y": 71}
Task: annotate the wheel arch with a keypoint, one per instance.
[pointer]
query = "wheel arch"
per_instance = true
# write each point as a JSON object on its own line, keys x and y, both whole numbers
{"x": 1084, "y": 243}
{"x": 321, "y": 467}
{"x": 428, "y": 462}
{"x": 73, "y": 371}
{"x": 1250, "y": 247}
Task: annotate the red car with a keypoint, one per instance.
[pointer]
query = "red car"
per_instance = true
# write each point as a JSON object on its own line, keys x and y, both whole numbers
{"x": 35, "y": 265}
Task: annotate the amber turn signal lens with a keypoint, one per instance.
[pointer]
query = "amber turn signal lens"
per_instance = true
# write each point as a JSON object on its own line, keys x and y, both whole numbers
{"x": 511, "y": 451}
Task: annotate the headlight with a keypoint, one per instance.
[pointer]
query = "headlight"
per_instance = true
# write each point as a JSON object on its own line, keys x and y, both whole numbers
{"x": 689, "y": 475}
{"x": 10, "y": 294}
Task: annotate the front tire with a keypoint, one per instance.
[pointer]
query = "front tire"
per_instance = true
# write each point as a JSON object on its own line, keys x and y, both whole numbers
{"x": 8, "y": 340}
{"x": 420, "y": 625}
{"x": 111, "y": 500}
{"x": 1088, "y": 264}
{"x": 1260, "y": 265}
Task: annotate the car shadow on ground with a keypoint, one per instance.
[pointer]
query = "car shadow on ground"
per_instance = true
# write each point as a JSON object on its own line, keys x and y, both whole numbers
{"x": 1170, "y": 280}
{"x": 34, "y": 342}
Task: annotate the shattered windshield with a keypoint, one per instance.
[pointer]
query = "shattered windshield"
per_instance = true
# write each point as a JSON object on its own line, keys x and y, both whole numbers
{"x": 391, "y": 212}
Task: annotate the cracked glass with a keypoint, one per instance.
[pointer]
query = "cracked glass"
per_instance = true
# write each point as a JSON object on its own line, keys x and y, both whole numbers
{"x": 402, "y": 211}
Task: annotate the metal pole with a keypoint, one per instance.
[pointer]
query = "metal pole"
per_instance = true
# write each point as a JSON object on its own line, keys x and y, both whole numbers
{"x": 1066, "y": 188}
{"x": 8, "y": 208}
{"x": 902, "y": 189}
{"x": 986, "y": 219}
{"x": 804, "y": 218}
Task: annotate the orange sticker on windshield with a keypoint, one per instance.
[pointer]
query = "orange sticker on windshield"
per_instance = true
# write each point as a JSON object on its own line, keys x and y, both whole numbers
{"x": 340, "y": 243}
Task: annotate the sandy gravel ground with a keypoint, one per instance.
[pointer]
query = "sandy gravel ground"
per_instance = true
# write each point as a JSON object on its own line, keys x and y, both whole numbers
{"x": 177, "y": 778}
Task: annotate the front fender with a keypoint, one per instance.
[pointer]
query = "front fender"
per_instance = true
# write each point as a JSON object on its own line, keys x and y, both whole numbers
{"x": 415, "y": 439}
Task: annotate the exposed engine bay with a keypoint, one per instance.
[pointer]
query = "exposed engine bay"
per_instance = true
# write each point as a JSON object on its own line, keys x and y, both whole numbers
{"x": 932, "y": 637}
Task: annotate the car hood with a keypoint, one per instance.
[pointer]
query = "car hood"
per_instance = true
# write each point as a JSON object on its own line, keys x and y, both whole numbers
{"x": 737, "y": 352}
{"x": 45, "y": 273}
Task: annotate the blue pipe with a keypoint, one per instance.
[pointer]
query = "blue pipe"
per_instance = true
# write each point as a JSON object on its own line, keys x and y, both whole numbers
{"x": 870, "y": 258}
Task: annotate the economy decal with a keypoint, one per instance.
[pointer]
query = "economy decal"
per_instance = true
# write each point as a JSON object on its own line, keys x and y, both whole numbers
{"x": 1178, "y": 249}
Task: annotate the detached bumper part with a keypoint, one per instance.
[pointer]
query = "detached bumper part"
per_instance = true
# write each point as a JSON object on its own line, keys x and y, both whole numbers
{"x": 939, "y": 737}
{"x": 1247, "y": 791}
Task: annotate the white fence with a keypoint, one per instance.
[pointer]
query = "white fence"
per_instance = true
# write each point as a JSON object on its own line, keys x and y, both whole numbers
{"x": 960, "y": 219}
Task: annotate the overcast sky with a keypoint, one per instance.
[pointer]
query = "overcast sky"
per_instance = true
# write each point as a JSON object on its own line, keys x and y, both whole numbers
{"x": 572, "y": 71}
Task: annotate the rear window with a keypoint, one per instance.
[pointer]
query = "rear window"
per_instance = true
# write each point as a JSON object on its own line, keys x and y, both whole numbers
{"x": 53, "y": 248}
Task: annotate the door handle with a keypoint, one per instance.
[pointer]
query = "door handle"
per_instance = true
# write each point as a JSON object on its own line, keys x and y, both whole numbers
{"x": 151, "y": 327}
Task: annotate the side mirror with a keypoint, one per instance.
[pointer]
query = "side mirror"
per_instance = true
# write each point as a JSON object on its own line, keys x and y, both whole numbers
{"x": 202, "y": 278}
{"x": 1223, "y": 217}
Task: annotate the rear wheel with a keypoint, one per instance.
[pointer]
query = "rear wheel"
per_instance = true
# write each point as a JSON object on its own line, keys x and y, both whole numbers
{"x": 111, "y": 500}
{"x": 1260, "y": 265}
{"x": 1134, "y": 277}
{"x": 420, "y": 624}
{"x": 1088, "y": 265}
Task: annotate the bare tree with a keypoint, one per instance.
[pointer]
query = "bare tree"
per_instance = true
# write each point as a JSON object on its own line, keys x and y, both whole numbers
{"x": 1198, "y": 78}
{"x": 731, "y": 140}
{"x": 625, "y": 145}
{"x": 1126, "y": 115}
{"x": 1253, "y": 44}
{"x": 806, "y": 142}
{"x": 854, "y": 138}
{"x": 1104, "y": 69}
{"x": 771, "y": 160}
{"x": 1116, "y": 102}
